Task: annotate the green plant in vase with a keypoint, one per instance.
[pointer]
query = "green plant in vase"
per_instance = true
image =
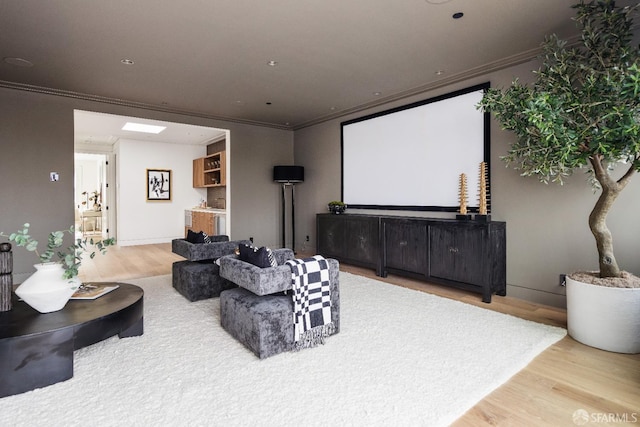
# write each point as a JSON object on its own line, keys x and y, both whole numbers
{"x": 56, "y": 276}
{"x": 70, "y": 258}
{"x": 336, "y": 207}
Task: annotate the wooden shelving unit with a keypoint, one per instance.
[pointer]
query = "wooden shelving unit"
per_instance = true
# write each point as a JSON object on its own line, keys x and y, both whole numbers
{"x": 210, "y": 171}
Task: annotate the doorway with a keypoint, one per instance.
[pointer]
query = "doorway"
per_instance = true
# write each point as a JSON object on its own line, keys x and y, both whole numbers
{"x": 91, "y": 198}
{"x": 125, "y": 213}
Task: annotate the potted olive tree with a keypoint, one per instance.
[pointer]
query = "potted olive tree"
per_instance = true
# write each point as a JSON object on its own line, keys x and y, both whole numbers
{"x": 583, "y": 110}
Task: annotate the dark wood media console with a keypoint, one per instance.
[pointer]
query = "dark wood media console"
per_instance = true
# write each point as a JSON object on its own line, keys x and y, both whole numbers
{"x": 469, "y": 255}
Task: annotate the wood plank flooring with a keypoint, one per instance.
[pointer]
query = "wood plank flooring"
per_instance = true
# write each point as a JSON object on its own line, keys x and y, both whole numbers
{"x": 568, "y": 376}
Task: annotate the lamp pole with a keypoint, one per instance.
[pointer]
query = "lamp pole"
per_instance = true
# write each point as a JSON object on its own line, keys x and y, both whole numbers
{"x": 293, "y": 215}
{"x": 284, "y": 224}
{"x": 288, "y": 175}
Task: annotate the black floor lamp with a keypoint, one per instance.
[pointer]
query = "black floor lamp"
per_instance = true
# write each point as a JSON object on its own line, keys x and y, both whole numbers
{"x": 288, "y": 176}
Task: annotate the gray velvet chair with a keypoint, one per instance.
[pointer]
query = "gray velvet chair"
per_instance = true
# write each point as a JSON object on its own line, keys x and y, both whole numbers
{"x": 258, "y": 313}
{"x": 198, "y": 277}
{"x": 260, "y": 281}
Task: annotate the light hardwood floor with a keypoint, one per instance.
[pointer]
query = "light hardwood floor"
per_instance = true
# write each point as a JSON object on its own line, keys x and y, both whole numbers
{"x": 567, "y": 377}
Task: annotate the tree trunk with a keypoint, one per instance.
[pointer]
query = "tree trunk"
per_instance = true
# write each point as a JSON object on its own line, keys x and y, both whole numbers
{"x": 597, "y": 218}
{"x": 604, "y": 242}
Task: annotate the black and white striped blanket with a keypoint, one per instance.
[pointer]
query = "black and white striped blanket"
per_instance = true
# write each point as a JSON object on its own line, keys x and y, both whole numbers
{"x": 311, "y": 301}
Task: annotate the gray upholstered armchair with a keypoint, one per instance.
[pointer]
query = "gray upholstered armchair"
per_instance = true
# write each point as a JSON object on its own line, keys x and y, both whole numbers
{"x": 219, "y": 246}
{"x": 198, "y": 276}
{"x": 260, "y": 281}
{"x": 257, "y": 313}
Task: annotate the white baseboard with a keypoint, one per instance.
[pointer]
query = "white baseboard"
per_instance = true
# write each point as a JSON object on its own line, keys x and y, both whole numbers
{"x": 137, "y": 242}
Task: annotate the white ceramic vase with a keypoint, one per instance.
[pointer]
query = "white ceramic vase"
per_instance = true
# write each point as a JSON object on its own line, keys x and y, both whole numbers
{"x": 603, "y": 317}
{"x": 46, "y": 290}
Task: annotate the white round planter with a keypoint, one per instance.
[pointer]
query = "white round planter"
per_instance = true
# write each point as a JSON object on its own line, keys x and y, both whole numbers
{"x": 46, "y": 290}
{"x": 603, "y": 317}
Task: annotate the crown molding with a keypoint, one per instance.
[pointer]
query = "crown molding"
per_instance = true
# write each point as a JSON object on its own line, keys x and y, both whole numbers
{"x": 472, "y": 73}
{"x": 510, "y": 61}
{"x": 133, "y": 104}
{"x": 418, "y": 90}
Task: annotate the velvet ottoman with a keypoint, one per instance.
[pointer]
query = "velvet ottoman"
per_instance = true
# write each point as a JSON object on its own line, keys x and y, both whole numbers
{"x": 196, "y": 281}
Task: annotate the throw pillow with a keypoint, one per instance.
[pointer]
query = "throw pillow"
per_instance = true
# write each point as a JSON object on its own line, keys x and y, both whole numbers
{"x": 244, "y": 251}
{"x": 193, "y": 237}
{"x": 272, "y": 258}
{"x": 206, "y": 237}
{"x": 256, "y": 256}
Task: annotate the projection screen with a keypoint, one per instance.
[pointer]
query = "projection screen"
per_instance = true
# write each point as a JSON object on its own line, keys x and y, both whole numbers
{"x": 411, "y": 158}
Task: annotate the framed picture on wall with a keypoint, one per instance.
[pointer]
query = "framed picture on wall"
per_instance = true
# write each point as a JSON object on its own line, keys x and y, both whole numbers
{"x": 158, "y": 184}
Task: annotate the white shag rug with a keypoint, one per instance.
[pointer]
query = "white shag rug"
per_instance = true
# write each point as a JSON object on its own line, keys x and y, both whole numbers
{"x": 402, "y": 357}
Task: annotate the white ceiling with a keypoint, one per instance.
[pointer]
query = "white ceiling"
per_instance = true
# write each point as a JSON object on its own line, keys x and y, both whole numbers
{"x": 99, "y": 128}
{"x": 209, "y": 57}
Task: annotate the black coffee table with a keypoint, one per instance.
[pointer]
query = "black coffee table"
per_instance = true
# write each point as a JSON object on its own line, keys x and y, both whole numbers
{"x": 36, "y": 350}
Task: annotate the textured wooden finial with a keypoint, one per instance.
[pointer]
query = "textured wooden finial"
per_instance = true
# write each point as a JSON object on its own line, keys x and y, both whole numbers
{"x": 463, "y": 194}
{"x": 6, "y": 278}
{"x": 482, "y": 191}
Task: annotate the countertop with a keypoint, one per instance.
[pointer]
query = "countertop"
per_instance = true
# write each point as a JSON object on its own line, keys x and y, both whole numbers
{"x": 213, "y": 210}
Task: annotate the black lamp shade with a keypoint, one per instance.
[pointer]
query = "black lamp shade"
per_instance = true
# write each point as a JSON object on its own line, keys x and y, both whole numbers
{"x": 288, "y": 173}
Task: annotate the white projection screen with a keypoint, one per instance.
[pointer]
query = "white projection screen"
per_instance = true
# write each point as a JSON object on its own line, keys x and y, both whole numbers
{"x": 411, "y": 158}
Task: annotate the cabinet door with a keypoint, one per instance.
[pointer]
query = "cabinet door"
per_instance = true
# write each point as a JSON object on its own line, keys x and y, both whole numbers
{"x": 331, "y": 235}
{"x": 406, "y": 245}
{"x": 362, "y": 240}
{"x": 198, "y": 173}
{"x": 457, "y": 253}
{"x": 197, "y": 221}
{"x": 203, "y": 221}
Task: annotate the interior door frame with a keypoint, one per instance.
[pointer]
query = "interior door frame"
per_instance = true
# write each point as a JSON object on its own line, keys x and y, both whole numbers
{"x": 109, "y": 204}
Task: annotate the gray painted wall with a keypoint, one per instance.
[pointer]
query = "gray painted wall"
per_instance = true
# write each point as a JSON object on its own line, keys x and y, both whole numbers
{"x": 547, "y": 231}
{"x": 36, "y": 137}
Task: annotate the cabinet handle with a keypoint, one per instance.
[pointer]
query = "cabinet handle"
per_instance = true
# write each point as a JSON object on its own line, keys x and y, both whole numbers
{"x": 403, "y": 243}
{"x": 453, "y": 250}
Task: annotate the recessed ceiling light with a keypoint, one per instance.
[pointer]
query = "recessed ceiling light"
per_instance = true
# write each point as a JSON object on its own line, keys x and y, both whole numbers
{"x": 458, "y": 15}
{"x": 126, "y": 61}
{"x": 377, "y": 93}
{"x": 272, "y": 63}
{"x": 18, "y": 62}
{"x": 438, "y": 1}
{"x": 439, "y": 72}
{"x": 140, "y": 127}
